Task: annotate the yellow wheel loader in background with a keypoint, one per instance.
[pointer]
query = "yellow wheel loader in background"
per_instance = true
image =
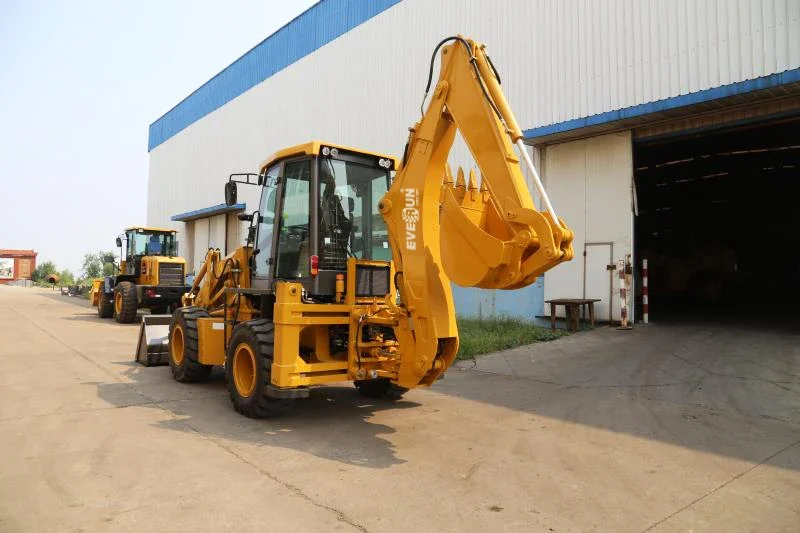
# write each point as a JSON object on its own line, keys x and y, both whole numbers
{"x": 346, "y": 273}
{"x": 151, "y": 275}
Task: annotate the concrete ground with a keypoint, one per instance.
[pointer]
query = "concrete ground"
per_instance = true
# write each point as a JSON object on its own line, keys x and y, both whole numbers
{"x": 669, "y": 428}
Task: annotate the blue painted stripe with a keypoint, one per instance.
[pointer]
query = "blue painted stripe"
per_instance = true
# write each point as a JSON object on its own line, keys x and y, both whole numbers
{"x": 207, "y": 212}
{"x": 309, "y": 31}
{"x": 742, "y": 87}
{"x": 526, "y": 303}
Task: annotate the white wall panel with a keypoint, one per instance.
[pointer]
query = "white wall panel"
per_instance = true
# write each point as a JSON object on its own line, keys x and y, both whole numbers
{"x": 234, "y": 238}
{"x": 200, "y": 246}
{"x": 216, "y": 232}
{"x": 589, "y": 180}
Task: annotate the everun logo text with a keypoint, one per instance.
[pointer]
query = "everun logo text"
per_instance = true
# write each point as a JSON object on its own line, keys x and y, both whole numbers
{"x": 410, "y": 216}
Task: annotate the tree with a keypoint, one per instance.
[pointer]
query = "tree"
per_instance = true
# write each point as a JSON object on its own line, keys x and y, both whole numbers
{"x": 43, "y": 271}
{"x": 67, "y": 277}
{"x": 94, "y": 267}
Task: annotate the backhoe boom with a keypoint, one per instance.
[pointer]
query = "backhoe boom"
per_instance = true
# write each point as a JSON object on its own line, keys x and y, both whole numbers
{"x": 435, "y": 222}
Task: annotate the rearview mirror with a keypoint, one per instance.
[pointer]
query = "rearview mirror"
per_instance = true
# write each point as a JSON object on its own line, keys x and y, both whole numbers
{"x": 108, "y": 258}
{"x": 230, "y": 193}
{"x": 119, "y": 242}
{"x": 351, "y": 204}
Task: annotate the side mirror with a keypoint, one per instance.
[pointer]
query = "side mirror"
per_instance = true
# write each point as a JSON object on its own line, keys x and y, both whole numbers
{"x": 351, "y": 204}
{"x": 119, "y": 242}
{"x": 230, "y": 193}
{"x": 109, "y": 258}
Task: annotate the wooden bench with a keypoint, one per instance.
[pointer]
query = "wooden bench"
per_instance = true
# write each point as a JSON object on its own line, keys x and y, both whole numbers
{"x": 573, "y": 309}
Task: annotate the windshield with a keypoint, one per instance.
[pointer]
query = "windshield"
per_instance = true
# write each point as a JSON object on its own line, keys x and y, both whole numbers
{"x": 143, "y": 242}
{"x": 350, "y": 223}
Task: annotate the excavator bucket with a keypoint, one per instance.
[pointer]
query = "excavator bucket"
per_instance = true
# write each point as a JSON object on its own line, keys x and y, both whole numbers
{"x": 153, "y": 346}
{"x": 493, "y": 247}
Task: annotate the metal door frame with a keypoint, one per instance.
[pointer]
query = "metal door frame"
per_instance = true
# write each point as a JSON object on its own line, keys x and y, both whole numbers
{"x": 610, "y": 245}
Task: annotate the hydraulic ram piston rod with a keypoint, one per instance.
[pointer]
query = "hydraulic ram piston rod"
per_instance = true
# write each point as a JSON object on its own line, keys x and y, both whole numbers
{"x": 537, "y": 181}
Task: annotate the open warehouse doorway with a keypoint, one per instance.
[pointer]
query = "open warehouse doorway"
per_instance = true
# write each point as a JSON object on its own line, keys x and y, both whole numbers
{"x": 718, "y": 218}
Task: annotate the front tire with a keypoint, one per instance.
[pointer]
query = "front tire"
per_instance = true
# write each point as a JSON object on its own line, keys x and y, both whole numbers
{"x": 380, "y": 388}
{"x": 183, "y": 346}
{"x": 105, "y": 305}
{"x": 125, "y": 302}
{"x": 248, "y": 368}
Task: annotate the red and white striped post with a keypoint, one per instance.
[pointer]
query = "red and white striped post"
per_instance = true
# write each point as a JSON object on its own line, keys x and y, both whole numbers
{"x": 623, "y": 298}
{"x": 645, "y": 294}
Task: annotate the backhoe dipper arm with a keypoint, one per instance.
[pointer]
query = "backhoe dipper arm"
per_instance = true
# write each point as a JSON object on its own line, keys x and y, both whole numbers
{"x": 442, "y": 229}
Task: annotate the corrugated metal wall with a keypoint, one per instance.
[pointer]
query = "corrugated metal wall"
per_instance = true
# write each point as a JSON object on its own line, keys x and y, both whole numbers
{"x": 559, "y": 60}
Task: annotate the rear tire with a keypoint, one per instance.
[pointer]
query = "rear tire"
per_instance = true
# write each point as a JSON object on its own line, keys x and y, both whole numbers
{"x": 105, "y": 305}
{"x": 125, "y": 302}
{"x": 183, "y": 346}
{"x": 248, "y": 369}
{"x": 380, "y": 388}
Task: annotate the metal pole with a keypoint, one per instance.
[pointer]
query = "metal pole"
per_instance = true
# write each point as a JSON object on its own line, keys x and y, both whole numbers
{"x": 537, "y": 181}
{"x": 623, "y": 298}
{"x": 645, "y": 294}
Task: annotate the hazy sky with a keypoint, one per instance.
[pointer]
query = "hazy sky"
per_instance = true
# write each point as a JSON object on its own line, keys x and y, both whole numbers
{"x": 80, "y": 82}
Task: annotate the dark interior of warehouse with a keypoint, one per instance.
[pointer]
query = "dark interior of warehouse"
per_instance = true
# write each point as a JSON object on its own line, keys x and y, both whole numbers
{"x": 718, "y": 220}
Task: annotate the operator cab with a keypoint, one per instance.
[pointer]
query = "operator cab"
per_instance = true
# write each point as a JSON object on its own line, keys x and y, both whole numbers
{"x": 319, "y": 207}
{"x": 145, "y": 242}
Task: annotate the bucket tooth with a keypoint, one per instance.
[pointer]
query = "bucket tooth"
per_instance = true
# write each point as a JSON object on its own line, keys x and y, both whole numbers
{"x": 447, "y": 182}
{"x": 484, "y": 190}
{"x": 472, "y": 185}
{"x": 448, "y": 176}
{"x": 460, "y": 188}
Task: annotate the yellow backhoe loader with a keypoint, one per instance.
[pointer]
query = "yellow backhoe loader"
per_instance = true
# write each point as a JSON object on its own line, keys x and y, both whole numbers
{"x": 346, "y": 273}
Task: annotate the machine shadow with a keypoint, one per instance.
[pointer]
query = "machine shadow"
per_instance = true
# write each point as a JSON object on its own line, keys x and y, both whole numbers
{"x": 723, "y": 388}
{"x": 74, "y": 300}
{"x": 334, "y": 423}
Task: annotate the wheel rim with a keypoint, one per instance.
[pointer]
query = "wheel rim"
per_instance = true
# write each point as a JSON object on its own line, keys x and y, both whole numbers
{"x": 118, "y": 303}
{"x": 244, "y": 370}
{"x": 176, "y": 345}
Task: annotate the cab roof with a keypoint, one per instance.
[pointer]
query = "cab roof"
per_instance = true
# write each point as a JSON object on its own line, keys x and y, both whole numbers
{"x": 313, "y": 148}
{"x": 149, "y": 228}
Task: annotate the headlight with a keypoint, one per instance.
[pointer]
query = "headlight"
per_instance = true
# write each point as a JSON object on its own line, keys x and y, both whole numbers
{"x": 334, "y": 152}
{"x": 326, "y": 151}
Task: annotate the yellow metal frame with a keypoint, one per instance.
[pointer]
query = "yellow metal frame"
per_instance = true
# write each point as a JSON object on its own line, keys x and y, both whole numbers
{"x": 211, "y": 337}
{"x": 150, "y": 268}
{"x": 313, "y": 148}
{"x": 150, "y": 228}
{"x": 303, "y": 327}
{"x": 96, "y": 291}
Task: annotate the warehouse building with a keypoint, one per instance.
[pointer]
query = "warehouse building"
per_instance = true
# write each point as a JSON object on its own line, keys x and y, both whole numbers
{"x": 663, "y": 130}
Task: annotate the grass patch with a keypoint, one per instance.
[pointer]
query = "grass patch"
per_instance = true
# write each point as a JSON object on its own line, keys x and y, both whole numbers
{"x": 490, "y": 335}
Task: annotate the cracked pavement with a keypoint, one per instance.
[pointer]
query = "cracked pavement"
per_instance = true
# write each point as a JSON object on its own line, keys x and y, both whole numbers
{"x": 666, "y": 428}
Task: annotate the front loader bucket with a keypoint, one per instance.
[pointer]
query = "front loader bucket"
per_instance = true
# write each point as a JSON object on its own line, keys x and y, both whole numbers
{"x": 153, "y": 346}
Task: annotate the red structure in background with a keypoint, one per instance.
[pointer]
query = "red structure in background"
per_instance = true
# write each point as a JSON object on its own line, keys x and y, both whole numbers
{"x": 16, "y": 264}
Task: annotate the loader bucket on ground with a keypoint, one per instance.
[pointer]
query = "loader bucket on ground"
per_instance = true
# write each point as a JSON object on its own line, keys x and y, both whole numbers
{"x": 153, "y": 346}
